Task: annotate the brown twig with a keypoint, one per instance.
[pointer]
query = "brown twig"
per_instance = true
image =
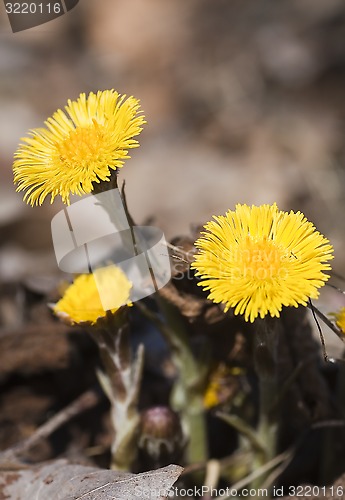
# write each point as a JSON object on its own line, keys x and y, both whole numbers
{"x": 84, "y": 402}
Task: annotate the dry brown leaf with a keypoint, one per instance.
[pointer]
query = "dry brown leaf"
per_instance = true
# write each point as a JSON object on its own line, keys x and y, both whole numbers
{"x": 60, "y": 480}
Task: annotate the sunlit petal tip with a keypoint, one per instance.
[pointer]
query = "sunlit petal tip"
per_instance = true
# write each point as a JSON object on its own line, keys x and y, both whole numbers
{"x": 339, "y": 318}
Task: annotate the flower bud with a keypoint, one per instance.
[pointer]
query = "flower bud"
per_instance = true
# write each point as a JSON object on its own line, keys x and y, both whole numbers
{"x": 161, "y": 436}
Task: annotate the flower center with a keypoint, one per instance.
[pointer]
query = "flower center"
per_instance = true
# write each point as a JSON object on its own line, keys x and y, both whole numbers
{"x": 82, "y": 146}
{"x": 261, "y": 260}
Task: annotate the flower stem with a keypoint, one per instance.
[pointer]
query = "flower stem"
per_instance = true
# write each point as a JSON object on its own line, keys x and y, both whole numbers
{"x": 121, "y": 383}
{"x": 266, "y": 364}
{"x": 188, "y": 391}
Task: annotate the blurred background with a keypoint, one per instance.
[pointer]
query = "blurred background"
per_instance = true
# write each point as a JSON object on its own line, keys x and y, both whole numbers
{"x": 244, "y": 102}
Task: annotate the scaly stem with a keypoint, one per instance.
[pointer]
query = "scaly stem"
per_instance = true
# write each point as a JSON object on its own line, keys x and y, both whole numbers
{"x": 121, "y": 383}
{"x": 266, "y": 364}
{"x": 188, "y": 390}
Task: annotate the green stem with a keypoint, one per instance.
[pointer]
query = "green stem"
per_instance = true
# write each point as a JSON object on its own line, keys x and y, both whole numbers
{"x": 266, "y": 367}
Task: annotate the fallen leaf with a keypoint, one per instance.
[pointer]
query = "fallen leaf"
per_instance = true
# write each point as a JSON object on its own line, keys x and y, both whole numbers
{"x": 60, "y": 480}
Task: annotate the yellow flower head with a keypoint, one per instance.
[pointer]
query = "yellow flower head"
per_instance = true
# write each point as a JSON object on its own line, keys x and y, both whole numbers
{"x": 340, "y": 319}
{"x": 81, "y": 301}
{"x": 258, "y": 259}
{"x": 77, "y": 147}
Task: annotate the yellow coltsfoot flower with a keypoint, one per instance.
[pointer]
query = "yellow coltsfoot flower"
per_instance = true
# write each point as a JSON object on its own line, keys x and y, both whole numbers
{"x": 81, "y": 302}
{"x": 258, "y": 259}
{"x": 78, "y": 147}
